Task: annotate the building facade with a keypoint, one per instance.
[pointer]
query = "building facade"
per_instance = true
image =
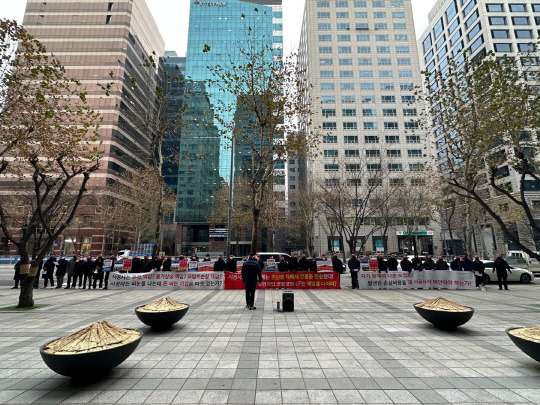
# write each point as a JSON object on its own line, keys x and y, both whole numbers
{"x": 360, "y": 58}
{"x": 93, "y": 39}
{"x": 459, "y": 29}
{"x": 205, "y": 152}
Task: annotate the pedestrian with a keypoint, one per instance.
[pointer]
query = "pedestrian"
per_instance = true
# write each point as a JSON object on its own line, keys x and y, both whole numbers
{"x": 416, "y": 263}
{"x": 467, "y": 263}
{"x": 70, "y": 271}
{"x": 381, "y": 264}
{"x": 456, "y": 264}
{"x": 78, "y": 272}
{"x": 501, "y": 266}
{"x": 251, "y": 271}
{"x": 108, "y": 272}
{"x": 354, "y": 268}
{"x": 155, "y": 264}
{"x": 406, "y": 264}
{"x": 283, "y": 266}
{"x": 392, "y": 263}
{"x": 61, "y": 270}
{"x": 136, "y": 265}
{"x": 88, "y": 272}
{"x": 207, "y": 258}
{"x": 17, "y": 275}
{"x": 98, "y": 271}
{"x": 337, "y": 266}
{"x": 303, "y": 263}
{"x": 220, "y": 264}
{"x": 48, "y": 270}
{"x": 313, "y": 264}
{"x": 441, "y": 264}
{"x": 293, "y": 263}
{"x": 231, "y": 264}
{"x": 479, "y": 273}
{"x": 146, "y": 264}
{"x": 167, "y": 264}
{"x": 428, "y": 264}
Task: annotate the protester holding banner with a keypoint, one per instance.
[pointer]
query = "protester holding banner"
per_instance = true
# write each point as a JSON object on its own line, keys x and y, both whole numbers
{"x": 88, "y": 272}
{"x": 354, "y": 268}
{"x": 71, "y": 271}
{"x": 303, "y": 263}
{"x": 61, "y": 269}
{"x": 406, "y": 265}
{"x": 98, "y": 271}
{"x": 231, "y": 264}
{"x": 283, "y": 266}
{"x": 108, "y": 266}
{"x": 220, "y": 264}
{"x": 381, "y": 264}
{"x": 416, "y": 263}
{"x": 429, "y": 264}
{"x": 313, "y": 263}
{"x": 167, "y": 264}
{"x": 441, "y": 264}
{"x": 250, "y": 273}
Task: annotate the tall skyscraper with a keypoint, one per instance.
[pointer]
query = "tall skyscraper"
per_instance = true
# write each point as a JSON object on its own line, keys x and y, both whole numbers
{"x": 361, "y": 59}
{"x": 92, "y": 39}
{"x": 205, "y": 156}
{"x": 459, "y": 29}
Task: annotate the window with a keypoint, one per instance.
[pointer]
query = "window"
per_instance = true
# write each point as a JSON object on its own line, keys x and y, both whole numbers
{"x": 386, "y": 86}
{"x": 330, "y": 139}
{"x": 411, "y": 125}
{"x": 402, "y": 49}
{"x": 498, "y": 8}
{"x": 523, "y": 34}
{"x": 323, "y": 4}
{"x": 518, "y": 8}
{"x": 344, "y": 49}
{"x": 380, "y": 26}
{"x": 401, "y": 38}
{"x": 327, "y": 86}
{"x": 360, "y": 3}
{"x": 328, "y": 99}
{"x": 536, "y": 8}
{"x": 497, "y": 34}
{"x": 412, "y": 153}
{"x": 352, "y": 167}
{"x": 350, "y": 139}
{"x": 350, "y": 126}
{"x": 362, "y": 26}
{"x": 366, "y": 73}
{"x": 345, "y": 62}
{"x": 385, "y": 73}
{"x": 325, "y": 49}
{"x": 405, "y": 73}
{"x": 327, "y": 73}
{"x": 326, "y": 62}
{"x": 371, "y": 139}
{"x": 440, "y": 42}
{"x": 383, "y": 49}
{"x": 382, "y": 38}
{"x": 393, "y": 153}
{"x": 360, "y": 14}
{"x": 373, "y": 167}
{"x": 400, "y": 26}
{"x": 398, "y": 14}
{"x": 323, "y": 14}
{"x": 374, "y": 182}
{"x": 395, "y": 167}
{"x": 355, "y": 182}
{"x": 526, "y": 47}
{"x": 379, "y": 14}
{"x": 392, "y": 138}
{"x": 378, "y": 4}
{"x": 325, "y": 26}
{"x": 408, "y": 99}
{"x": 344, "y": 38}
{"x": 362, "y": 38}
{"x": 397, "y": 182}
{"x": 345, "y": 73}
{"x": 367, "y": 86}
{"x": 325, "y": 38}
{"x": 438, "y": 29}
{"x": 384, "y": 61}
{"x": 520, "y": 20}
{"x": 352, "y": 153}
{"x": 413, "y": 138}
{"x": 331, "y": 182}
{"x": 391, "y": 125}
{"x": 503, "y": 47}
{"x": 428, "y": 57}
{"x": 406, "y": 86}
{"x": 364, "y": 49}
{"x": 453, "y": 26}
{"x": 470, "y": 21}
{"x": 343, "y": 26}
{"x": 368, "y": 99}
{"x": 331, "y": 167}
{"x": 372, "y": 153}
{"x": 451, "y": 11}
{"x": 370, "y": 125}
{"x": 108, "y": 19}
{"x": 342, "y": 14}
{"x": 329, "y": 125}
{"x": 349, "y": 112}
{"x": 364, "y": 62}
{"x": 414, "y": 167}
{"x": 330, "y": 153}
{"x": 346, "y": 86}
{"x": 388, "y": 99}
{"x": 404, "y": 61}
{"x": 342, "y": 4}
{"x": 348, "y": 99}
{"x": 472, "y": 33}
{"x": 497, "y": 20}
{"x": 369, "y": 112}
{"x": 396, "y": 4}
{"x": 469, "y": 7}
{"x": 329, "y": 112}
{"x": 389, "y": 112}
{"x": 427, "y": 43}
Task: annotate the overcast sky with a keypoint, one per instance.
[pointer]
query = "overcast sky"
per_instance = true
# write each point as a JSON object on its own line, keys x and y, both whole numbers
{"x": 172, "y": 17}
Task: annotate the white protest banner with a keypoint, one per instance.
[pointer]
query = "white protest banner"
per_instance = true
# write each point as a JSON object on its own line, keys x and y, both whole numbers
{"x": 205, "y": 266}
{"x": 324, "y": 265}
{"x": 167, "y": 280}
{"x": 451, "y": 280}
{"x": 192, "y": 266}
{"x": 271, "y": 265}
{"x": 107, "y": 265}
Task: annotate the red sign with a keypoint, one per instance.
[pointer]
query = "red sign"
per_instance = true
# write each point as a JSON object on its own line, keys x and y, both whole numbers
{"x": 373, "y": 264}
{"x": 127, "y": 264}
{"x": 292, "y": 280}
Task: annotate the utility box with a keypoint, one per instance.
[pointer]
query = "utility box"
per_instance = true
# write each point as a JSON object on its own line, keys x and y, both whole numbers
{"x": 288, "y": 301}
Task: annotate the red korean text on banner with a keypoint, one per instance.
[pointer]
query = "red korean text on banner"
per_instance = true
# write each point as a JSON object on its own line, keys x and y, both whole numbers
{"x": 305, "y": 280}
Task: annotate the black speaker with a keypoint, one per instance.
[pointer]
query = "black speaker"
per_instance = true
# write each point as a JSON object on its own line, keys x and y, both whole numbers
{"x": 288, "y": 301}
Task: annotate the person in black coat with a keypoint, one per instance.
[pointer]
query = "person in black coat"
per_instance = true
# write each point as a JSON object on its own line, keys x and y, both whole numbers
{"x": 467, "y": 263}
{"x": 17, "y": 275}
{"x": 501, "y": 266}
{"x": 283, "y": 266}
{"x": 406, "y": 265}
{"x": 146, "y": 264}
{"x": 293, "y": 263}
{"x": 107, "y": 273}
{"x": 136, "y": 265}
{"x": 61, "y": 270}
{"x": 98, "y": 271}
{"x": 479, "y": 273}
{"x": 48, "y": 268}
{"x": 88, "y": 272}
{"x": 354, "y": 268}
{"x": 167, "y": 263}
{"x": 303, "y": 263}
{"x": 78, "y": 272}
{"x": 416, "y": 263}
{"x": 313, "y": 264}
{"x": 231, "y": 264}
{"x": 207, "y": 258}
{"x": 392, "y": 263}
{"x": 337, "y": 264}
{"x": 441, "y": 264}
{"x": 251, "y": 271}
{"x": 429, "y": 264}
{"x": 456, "y": 264}
{"x": 220, "y": 264}
{"x": 381, "y": 264}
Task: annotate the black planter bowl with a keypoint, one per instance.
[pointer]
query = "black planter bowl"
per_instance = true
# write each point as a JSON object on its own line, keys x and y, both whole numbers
{"x": 88, "y": 365}
{"x": 444, "y": 319}
{"x": 531, "y": 349}
{"x": 161, "y": 320}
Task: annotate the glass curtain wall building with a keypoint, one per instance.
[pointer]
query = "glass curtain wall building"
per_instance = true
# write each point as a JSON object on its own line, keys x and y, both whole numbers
{"x": 205, "y": 155}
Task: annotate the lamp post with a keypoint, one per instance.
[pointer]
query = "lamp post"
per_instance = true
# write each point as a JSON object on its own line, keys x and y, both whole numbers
{"x": 230, "y": 205}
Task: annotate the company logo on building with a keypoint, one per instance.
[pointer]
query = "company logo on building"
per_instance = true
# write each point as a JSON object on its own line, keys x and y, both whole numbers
{"x": 206, "y": 4}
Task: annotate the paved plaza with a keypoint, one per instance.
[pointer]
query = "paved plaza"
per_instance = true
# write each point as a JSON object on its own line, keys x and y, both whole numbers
{"x": 342, "y": 346}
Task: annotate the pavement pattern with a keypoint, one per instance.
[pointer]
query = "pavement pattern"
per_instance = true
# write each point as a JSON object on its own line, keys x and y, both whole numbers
{"x": 338, "y": 347}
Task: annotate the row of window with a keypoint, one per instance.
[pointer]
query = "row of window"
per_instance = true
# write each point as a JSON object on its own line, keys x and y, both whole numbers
{"x": 365, "y": 61}
{"x": 368, "y": 112}
{"x": 363, "y": 4}
{"x": 368, "y": 86}
{"x": 371, "y": 138}
{"x": 515, "y": 20}
{"x": 330, "y": 126}
{"x": 361, "y": 14}
{"x": 364, "y": 38}
{"x": 373, "y": 182}
{"x": 393, "y": 167}
{"x": 325, "y": 74}
{"x": 372, "y": 153}
{"x": 514, "y": 7}
{"x": 363, "y": 49}
{"x": 367, "y": 99}
{"x": 361, "y": 26}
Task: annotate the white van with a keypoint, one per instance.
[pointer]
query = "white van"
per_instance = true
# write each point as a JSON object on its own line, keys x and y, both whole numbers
{"x": 123, "y": 253}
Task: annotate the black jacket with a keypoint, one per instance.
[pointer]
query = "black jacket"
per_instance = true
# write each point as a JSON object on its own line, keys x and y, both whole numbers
{"x": 220, "y": 265}
{"x": 456, "y": 265}
{"x": 79, "y": 266}
{"x": 136, "y": 265}
{"x": 313, "y": 265}
{"x": 293, "y": 264}
{"x": 392, "y": 264}
{"x": 303, "y": 264}
{"x": 406, "y": 265}
{"x": 61, "y": 268}
{"x": 479, "y": 266}
{"x": 251, "y": 272}
{"x": 167, "y": 264}
{"x": 429, "y": 264}
{"x": 146, "y": 263}
{"x": 283, "y": 266}
{"x": 231, "y": 265}
{"x": 501, "y": 266}
{"x": 89, "y": 267}
{"x": 353, "y": 264}
{"x": 49, "y": 266}
{"x": 381, "y": 264}
{"x": 441, "y": 265}
{"x": 467, "y": 265}
{"x": 337, "y": 264}
{"x": 416, "y": 263}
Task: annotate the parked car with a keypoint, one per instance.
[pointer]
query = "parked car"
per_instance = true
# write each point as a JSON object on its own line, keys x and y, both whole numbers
{"x": 518, "y": 274}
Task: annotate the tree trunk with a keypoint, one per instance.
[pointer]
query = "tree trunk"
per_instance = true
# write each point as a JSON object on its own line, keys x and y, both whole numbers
{"x": 159, "y": 219}
{"x": 255, "y": 231}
